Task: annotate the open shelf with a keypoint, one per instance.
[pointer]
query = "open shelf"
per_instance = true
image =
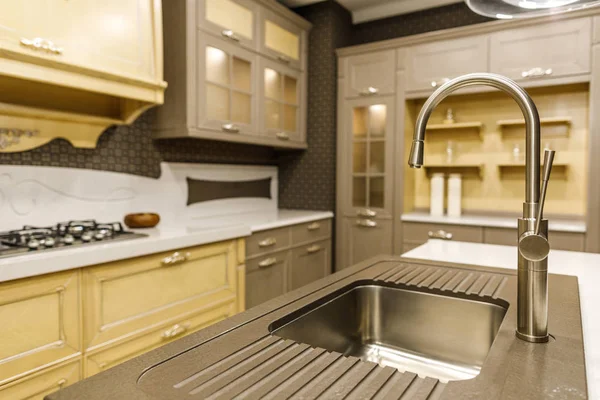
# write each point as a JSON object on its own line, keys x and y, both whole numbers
{"x": 517, "y": 170}
{"x": 455, "y": 125}
{"x": 552, "y": 126}
{"x": 467, "y": 170}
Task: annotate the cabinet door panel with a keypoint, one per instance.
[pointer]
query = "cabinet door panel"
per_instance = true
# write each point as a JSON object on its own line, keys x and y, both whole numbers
{"x": 429, "y": 65}
{"x": 226, "y": 87}
{"x": 39, "y": 385}
{"x": 281, "y": 39}
{"x": 100, "y": 361}
{"x": 235, "y": 20}
{"x": 128, "y": 297}
{"x": 24, "y": 19}
{"x": 310, "y": 263}
{"x": 418, "y": 233}
{"x": 40, "y": 323}
{"x": 543, "y": 51}
{"x": 367, "y": 238}
{"x": 371, "y": 74}
{"x": 266, "y": 278}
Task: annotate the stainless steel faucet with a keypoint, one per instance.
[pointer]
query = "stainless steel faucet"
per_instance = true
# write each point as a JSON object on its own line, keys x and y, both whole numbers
{"x": 533, "y": 246}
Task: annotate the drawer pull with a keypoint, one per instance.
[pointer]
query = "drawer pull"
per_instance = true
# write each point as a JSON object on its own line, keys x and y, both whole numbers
{"x": 366, "y": 223}
{"x": 366, "y": 213}
{"x": 268, "y": 262}
{"x": 175, "y": 258}
{"x": 268, "y": 242}
{"x": 283, "y": 59}
{"x": 370, "y": 91}
{"x": 440, "y": 82}
{"x": 441, "y": 234}
{"x": 40, "y": 44}
{"x": 536, "y": 72}
{"x": 314, "y": 226}
{"x": 231, "y": 128}
{"x": 228, "y": 33}
{"x": 282, "y": 136}
{"x": 313, "y": 249}
{"x": 174, "y": 331}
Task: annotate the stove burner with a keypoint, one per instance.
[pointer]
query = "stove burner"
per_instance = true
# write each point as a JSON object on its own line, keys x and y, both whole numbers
{"x": 71, "y": 233}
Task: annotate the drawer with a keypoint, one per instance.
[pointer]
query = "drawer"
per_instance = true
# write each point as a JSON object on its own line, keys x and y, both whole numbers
{"x": 40, "y": 323}
{"x": 406, "y": 247}
{"x": 542, "y": 51}
{"x": 126, "y": 298}
{"x": 41, "y": 384}
{"x": 503, "y": 236}
{"x": 311, "y": 231}
{"x": 266, "y": 277}
{"x": 429, "y": 65}
{"x": 310, "y": 263}
{"x": 572, "y": 241}
{"x": 415, "y": 232}
{"x": 267, "y": 241}
{"x": 371, "y": 74}
{"x": 114, "y": 355}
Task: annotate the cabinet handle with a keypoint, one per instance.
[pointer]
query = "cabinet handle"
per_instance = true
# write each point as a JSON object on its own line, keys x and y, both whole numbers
{"x": 366, "y": 223}
{"x": 282, "y": 136}
{"x": 313, "y": 249}
{"x": 267, "y": 242}
{"x": 174, "y": 331}
{"x": 366, "y": 213}
{"x": 228, "y": 33}
{"x": 267, "y": 262}
{"x": 314, "y": 226}
{"x": 230, "y": 128}
{"x": 283, "y": 59}
{"x": 370, "y": 91}
{"x": 441, "y": 234}
{"x": 440, "y": 82}
{"x": 175, "y": 258}
{"x": 536, "y": 72}
{"x": 40, "y": 44}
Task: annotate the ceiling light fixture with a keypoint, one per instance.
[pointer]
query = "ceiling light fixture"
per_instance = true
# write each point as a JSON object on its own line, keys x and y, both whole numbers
{"x": 508, "y": 9}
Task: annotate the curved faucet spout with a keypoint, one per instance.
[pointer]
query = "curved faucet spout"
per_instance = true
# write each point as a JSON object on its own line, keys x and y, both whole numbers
{"x": 532, "y": 123}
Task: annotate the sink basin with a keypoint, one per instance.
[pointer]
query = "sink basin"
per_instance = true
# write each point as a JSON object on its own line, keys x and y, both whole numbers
{"x": 446, "y": 337}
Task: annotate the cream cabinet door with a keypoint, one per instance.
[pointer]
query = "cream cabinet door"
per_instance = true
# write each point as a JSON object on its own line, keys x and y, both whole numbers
{"x": 282, "y": 107}
{"x": 310, "y": 263}
{"x": 371, "y": 74}
{"x": 40, "y": 323}
{"x": 39, "y": 385}
{"x": 126, "y": 298}
{"x": 543, "y": 51}
{"x": 234, "y": 20}
{"x": 104, "y": 359}
{"x": 366, "y": 238}
{"x": 227, "y": 87}
{"x": 25, "y": 20}
{"x": 115, "y": 36}
{"x": 432, "y": 64}
{"x": 281, "y": 39}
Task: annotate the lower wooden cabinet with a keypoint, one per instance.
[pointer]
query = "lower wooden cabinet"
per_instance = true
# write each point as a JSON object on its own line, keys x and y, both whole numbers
{"x": 38, "y": 385}
{"x": 362, "y": 239}
{"x": 289, "y": 258}
{"x": 572, "y": 241}
{"x": 120, "y": 309}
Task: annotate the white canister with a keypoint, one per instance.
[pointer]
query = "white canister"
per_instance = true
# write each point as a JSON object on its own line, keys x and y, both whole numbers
{"x": 454, "y": 195}
{"x": 437, "y": 195}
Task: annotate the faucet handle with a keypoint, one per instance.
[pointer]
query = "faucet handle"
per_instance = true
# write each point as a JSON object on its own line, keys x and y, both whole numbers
{"x": 548, "y": 161}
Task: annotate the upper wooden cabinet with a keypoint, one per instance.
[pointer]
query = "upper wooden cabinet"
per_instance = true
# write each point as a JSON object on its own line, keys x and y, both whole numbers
{"x": 370, "y": 74}
{"x": 239, "y": 77}
{"x": 235, "y": 20}
{"x": 432, "y": 64}
{"x": 70, "y": 69}
{"x": 545, "y": 51}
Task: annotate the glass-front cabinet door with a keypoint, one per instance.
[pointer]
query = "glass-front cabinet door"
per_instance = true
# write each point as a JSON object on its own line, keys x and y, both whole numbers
{"x": 369, "y": 129}
{"x": 235, "y": 20}
{"x": 226, "y": 87}
{"x": 281, "y": 114}
{"x": 281, "y": 39}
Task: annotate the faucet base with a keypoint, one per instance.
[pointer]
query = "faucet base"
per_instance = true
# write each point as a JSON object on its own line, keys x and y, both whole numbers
{"x": 532, "y": 339}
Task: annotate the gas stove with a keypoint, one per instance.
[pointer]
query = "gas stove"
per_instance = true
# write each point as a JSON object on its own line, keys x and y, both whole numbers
{"x": 60, "y": 236}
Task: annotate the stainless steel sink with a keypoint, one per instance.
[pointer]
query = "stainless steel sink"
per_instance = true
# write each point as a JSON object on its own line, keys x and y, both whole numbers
{"x": 432, "y": 335}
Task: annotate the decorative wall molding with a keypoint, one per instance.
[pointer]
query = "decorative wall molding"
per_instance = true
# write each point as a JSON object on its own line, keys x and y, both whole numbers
{"x": 42, "y": 196}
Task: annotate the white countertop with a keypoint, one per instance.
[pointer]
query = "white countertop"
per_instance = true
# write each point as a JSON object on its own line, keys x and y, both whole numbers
{"x": 585, "y": 266}
{"x": 561, "y": 225}
{"x": 164, "y": 237}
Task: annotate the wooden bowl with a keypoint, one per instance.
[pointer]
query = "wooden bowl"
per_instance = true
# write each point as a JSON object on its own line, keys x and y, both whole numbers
{"x": 142, "y": 220}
